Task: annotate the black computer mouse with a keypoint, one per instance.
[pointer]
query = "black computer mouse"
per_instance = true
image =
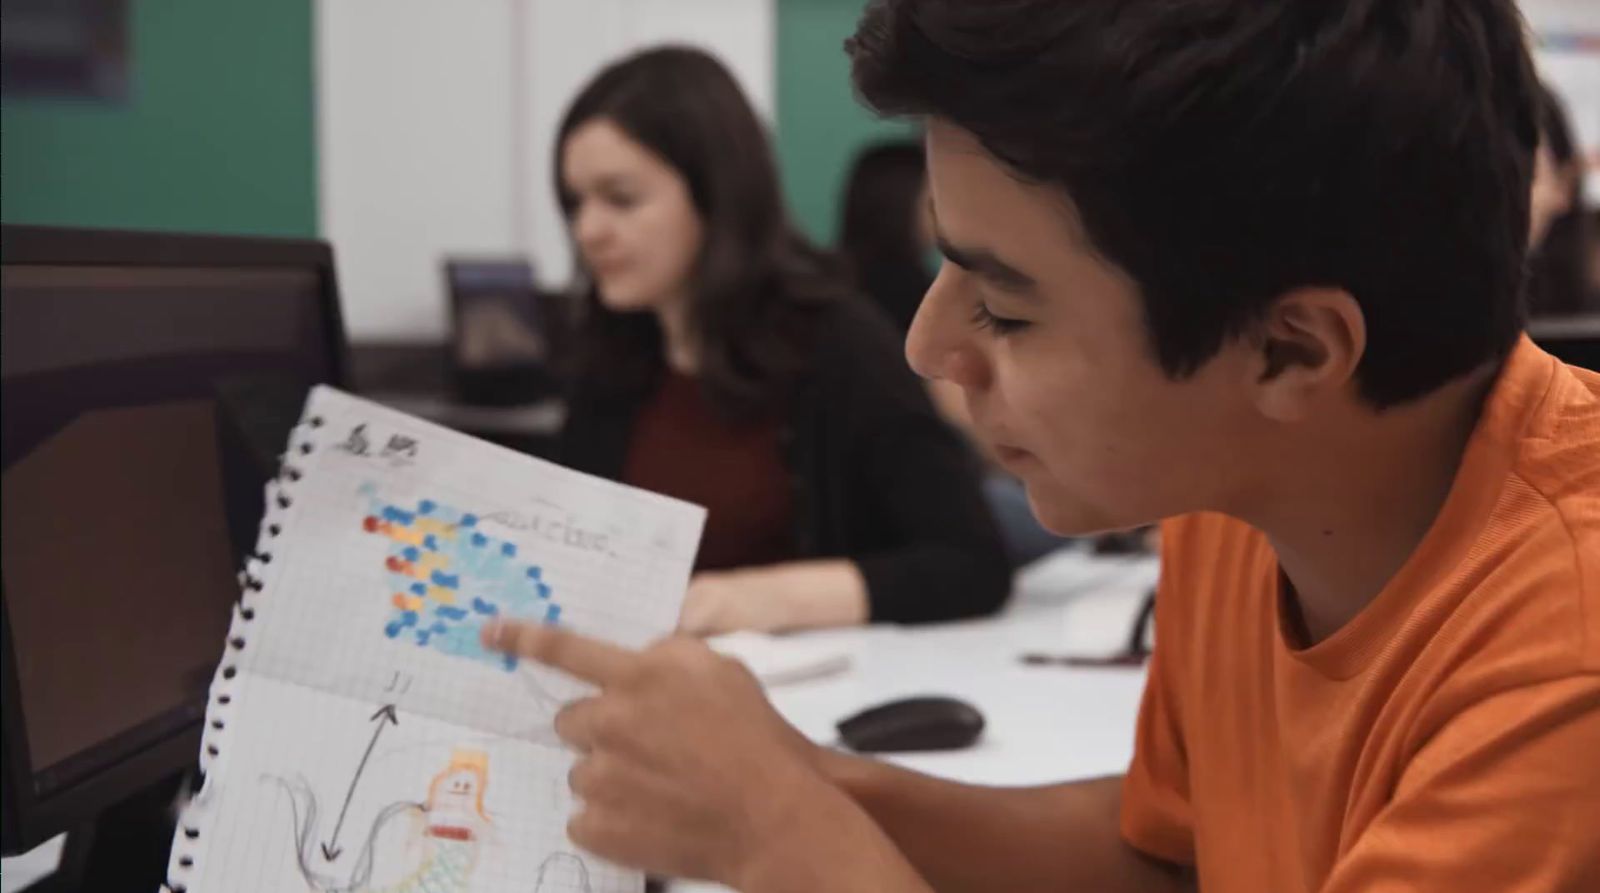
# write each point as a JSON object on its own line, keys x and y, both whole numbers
{"x": 911, "y": 724}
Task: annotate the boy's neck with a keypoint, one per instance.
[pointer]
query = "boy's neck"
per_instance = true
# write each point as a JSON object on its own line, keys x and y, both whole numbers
{"x": 1351, "y": 508}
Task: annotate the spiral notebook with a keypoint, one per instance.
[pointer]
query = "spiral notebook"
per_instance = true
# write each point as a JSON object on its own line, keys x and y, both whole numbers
{"x": 358, "y": 737}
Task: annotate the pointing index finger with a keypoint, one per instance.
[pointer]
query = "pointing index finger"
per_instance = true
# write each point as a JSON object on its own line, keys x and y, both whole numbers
{"x": 591, "y": 660}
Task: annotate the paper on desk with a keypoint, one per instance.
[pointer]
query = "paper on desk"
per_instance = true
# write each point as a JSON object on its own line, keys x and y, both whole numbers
{"x": 1099, "y": 598}
{"x": 781, "y": 660}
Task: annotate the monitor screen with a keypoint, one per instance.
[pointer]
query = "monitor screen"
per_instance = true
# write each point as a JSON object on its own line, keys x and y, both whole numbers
{"x": 144, "y": 410}
{"x": 495, "y": 314}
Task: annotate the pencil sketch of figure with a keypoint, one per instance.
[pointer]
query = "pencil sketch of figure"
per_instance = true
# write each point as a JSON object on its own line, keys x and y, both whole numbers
{"x": 562, "y": 872}
{"x": 446, "y": 837}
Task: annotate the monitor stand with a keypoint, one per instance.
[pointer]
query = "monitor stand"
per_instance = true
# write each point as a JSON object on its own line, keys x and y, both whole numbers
{"x": 123, "y": 849}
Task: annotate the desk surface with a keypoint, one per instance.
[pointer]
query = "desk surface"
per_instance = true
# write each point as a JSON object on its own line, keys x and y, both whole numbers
{"x": 1044, "y": 724}
{"x": 18, "y": 872}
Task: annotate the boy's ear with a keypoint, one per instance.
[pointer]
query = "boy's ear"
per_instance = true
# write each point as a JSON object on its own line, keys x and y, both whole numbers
{"x": 1311, "y": 341}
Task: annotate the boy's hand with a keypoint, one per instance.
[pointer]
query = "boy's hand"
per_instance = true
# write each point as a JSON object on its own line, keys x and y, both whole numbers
{"x": 685, "y": 769}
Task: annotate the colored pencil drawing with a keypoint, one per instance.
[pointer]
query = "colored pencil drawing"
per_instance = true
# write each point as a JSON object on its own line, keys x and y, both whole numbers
{"x": 447, "y": 578}
{"x": 444, "y": 838}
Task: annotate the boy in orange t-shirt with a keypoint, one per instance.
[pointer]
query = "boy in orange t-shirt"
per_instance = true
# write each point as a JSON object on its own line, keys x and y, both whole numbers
{"x": 1447, "y": 737}
{"x": 1255, "y": 265}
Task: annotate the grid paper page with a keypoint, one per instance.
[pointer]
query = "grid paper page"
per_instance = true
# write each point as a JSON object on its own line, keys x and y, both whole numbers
{"x": 397, "y": 560}
{"x": 353, "y": 674}
{"x": 433, "y": 808}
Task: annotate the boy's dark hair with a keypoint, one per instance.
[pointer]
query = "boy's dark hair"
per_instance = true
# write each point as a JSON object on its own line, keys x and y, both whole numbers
{"x": 1223, "y": 152}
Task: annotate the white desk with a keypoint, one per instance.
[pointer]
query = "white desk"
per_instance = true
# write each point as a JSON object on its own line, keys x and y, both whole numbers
{"x": 1044, "y": 724}
{"x": 17, "y": 872}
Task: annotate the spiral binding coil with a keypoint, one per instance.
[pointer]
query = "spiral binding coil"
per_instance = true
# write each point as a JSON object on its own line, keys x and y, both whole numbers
{"x": 252, "y": 588}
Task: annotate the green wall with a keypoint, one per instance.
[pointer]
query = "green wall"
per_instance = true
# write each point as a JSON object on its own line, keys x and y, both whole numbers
{"x": 820, "y": 124}
{"x": 216, "y": 135}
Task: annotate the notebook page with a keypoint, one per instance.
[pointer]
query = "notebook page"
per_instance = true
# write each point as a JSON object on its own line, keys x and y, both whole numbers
{"x": 353, "y": 698}
{"x": 407, "y": 537}
{"x": 402, "y": 803}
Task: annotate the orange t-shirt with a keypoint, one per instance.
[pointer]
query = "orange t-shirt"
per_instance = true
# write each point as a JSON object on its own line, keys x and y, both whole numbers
{"x": 1447, "y": 738}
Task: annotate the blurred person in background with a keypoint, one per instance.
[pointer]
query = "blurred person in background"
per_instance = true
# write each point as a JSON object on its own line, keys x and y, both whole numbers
{"x": 885, "y": 231}
{"x": 723, "y": 360}
{"x": 1560, "y": 282}
{"x": 1592, "y": 252}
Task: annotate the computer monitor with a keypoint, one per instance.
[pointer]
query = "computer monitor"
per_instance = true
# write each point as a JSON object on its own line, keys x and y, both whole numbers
{"x": 149, "y": 382}
{"x": 1572, "y": 339}
{"x": 502, "y": 350}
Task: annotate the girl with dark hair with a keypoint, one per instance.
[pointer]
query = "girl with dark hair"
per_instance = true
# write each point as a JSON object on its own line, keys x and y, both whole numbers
{"x": 722, "y": 361}
{"x": 1559, "y": 280}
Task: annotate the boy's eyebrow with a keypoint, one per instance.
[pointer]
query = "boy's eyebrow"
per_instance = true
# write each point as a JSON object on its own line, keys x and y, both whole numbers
{"x": 985, "y": 263}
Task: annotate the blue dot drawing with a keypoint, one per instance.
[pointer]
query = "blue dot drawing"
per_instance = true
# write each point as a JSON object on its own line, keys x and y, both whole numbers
{"x": 446, "y": 579}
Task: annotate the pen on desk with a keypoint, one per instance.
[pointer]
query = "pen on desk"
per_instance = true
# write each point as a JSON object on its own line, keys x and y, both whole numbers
{"x": 1133, "y": 653}
{"x": 1120, "y": 659}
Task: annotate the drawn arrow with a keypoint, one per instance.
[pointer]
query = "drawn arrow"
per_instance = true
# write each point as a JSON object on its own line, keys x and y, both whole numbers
{"x": 384, "y": 717}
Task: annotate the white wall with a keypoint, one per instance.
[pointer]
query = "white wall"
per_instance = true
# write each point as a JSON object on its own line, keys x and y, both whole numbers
{"x": 414, "y": 124}
{"x": 1561, "y": 13}
{"x": 570, "y": 41}
{"x": 435, "y": 121}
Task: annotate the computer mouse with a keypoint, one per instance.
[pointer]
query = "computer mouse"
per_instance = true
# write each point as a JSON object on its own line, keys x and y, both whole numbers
{"x": 912, "y": 724}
